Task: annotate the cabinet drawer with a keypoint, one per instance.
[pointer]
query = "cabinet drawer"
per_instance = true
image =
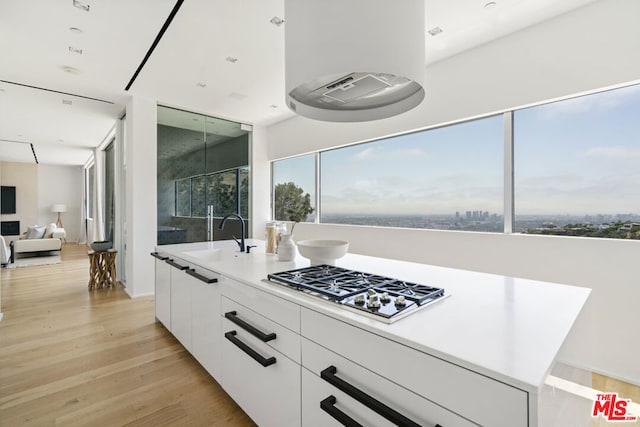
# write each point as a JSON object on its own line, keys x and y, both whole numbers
{"x": 473, "y": 396}
{"x": 277, "y": 309}
{"x": 270, "y": 395}
{"x": 404, "y": 402}
{"x": 285, "y": 341}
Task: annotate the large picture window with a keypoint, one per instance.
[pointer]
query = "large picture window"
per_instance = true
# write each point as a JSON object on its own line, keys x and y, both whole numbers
{"x": 574, "y": 173}
{"x": 447, "y": 178}
{"x": 576, "y": 166}
{"x": 294, "y": 184}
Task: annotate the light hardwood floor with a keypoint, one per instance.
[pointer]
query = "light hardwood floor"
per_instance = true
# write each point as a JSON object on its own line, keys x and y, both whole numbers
{"x": 73, "y": 357}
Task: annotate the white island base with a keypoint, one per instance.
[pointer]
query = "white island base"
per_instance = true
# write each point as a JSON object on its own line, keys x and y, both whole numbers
{"x": 478, "y": 357}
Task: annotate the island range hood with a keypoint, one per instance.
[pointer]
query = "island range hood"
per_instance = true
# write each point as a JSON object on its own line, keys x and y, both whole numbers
{"x": 354, "y": 60}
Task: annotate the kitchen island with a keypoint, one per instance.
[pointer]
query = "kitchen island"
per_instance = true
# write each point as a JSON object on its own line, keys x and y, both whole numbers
{"x": 477, "y": 357}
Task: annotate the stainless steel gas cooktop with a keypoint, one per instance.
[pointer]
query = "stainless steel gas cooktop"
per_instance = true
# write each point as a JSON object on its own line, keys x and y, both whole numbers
{"x": 384, "y": 298}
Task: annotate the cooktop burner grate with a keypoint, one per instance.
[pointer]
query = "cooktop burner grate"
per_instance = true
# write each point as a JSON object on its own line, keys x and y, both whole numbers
{"x": 378, "y": 295}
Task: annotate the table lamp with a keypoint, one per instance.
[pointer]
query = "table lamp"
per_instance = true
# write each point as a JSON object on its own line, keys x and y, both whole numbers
{"x": 58, "y": 209}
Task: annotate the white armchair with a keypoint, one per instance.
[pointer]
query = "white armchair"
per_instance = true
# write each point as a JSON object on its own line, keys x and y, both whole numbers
{"x": 4, "y": 252}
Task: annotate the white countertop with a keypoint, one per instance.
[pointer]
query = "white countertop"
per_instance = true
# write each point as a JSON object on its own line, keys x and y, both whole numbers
{"x": 507, "y": 328}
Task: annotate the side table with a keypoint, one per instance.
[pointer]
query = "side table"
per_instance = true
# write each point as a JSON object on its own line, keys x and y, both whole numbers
{"x": 102, "y": 269}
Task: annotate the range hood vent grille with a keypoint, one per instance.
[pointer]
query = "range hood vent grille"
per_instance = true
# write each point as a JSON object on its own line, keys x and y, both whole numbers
{"x": 348, "y": 89}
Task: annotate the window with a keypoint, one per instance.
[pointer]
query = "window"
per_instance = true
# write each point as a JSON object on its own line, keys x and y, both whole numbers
{"x": 183, "y": 197}
{"x": 294, "y": 183}
{"x": 198, "y": 192}
{"x": 195, "y": 194}
{"x": 222, "y": 192}
{"x": 446, "y": 178}
{"x": 90, "y": 190}
{"x": 244, "y": 192}
{"x": 576, "y": 166}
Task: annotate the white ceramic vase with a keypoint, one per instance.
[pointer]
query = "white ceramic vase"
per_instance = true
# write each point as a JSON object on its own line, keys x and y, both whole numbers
{"x": 286, "y": 249}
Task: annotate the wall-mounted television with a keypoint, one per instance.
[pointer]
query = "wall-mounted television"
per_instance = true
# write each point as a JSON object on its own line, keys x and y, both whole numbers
{"x": 8, "y": 200}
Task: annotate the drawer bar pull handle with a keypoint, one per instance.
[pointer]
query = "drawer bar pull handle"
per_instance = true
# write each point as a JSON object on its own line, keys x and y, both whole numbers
{"x": 233, "y": 316}
{"x": 176, "y": 265}
{"x": 231, "y": 336}
{"x": 205, "y": 279}
{"x": 159, "y": 256}
{"x": 329, "y": 375}
{"x": 327, "y": 406}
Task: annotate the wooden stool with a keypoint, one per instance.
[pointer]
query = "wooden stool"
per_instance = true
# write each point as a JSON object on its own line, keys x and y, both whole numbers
{"x": 102, "y": 269}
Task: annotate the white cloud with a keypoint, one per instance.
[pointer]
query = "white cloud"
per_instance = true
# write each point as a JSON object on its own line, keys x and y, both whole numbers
{"x": 386, "y": 152}
{"x": 367, "y": 153}
{"x": 614, "y": 152}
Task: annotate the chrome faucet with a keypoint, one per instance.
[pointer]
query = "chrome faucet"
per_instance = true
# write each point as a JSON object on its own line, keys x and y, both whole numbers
{"x": 241, "y": 241}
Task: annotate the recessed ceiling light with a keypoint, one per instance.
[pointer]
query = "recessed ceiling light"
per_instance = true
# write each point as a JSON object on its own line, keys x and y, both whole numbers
{"x": 75, "y": 50}
{"x": 435, "y": 31}
{"x": 70, "y": 70}
{"x": 200, "y": 84}
{"x": 277, "y": 21}
{"x": 75, "y": 30}
{"x": 81, "y": 5}
{"x": 231, "y": 59}
{"x": 67, "y": 101}
{"x": 490, "y": 4}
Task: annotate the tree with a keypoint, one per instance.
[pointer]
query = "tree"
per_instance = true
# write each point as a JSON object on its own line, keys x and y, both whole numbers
{"x": 291, "y": 204}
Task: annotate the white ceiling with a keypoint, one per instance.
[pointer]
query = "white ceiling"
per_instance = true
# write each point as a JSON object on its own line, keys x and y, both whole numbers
{"x": 116, "y": 34}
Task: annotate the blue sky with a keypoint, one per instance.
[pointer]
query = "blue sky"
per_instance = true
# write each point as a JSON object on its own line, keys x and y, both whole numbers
{"x": 577, "y": 156}
{"x": 580, "y": 155}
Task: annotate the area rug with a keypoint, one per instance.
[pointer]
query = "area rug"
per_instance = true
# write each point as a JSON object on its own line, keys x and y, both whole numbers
{"x": 35, "y": 261}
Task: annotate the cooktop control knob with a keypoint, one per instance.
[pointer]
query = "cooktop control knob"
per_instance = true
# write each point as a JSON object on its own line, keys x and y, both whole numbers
{"x": 374, "y": 301}
{"x": 385, "y": 298}
{"x": 359, "y": 299}
{"x": 400, "y": 301}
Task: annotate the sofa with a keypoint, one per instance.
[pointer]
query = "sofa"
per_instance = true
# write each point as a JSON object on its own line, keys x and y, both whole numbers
{"x": 37, "y": 239}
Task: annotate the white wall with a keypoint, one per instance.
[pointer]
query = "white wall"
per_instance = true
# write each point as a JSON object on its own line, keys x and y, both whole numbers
{"x": 60, "y": 185}
{"x": 261, "y": 182}
{"x": 141, "y": 195}
{"x": 591, "y": 48}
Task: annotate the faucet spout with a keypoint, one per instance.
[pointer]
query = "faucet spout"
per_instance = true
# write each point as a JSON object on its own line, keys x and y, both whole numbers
{"x": 243, "y": 235}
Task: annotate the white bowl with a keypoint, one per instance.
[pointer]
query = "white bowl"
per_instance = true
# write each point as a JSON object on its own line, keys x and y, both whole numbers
{"x": 322, "y": 251}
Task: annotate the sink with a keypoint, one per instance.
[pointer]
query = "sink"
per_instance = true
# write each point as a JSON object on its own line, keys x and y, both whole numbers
{"x": 211, "y": 254}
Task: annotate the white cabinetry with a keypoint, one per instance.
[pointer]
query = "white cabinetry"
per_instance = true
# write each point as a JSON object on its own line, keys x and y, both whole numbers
{"x": 180, "y": 303}
{"x": 188, "y": 304}
{"x": 472, "y": 396}
{"x": 335, "y": 389}
{"x": 260, "y": 357}
{"x": 163, "y": 290}
{"x": 205, "y": 319}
